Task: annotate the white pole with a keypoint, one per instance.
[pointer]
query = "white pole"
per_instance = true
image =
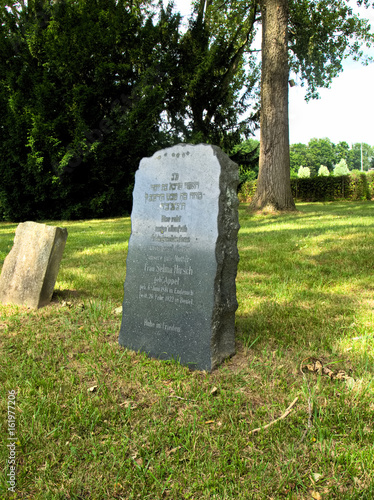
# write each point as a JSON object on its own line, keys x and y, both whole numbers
{"x": 362, "y": 165}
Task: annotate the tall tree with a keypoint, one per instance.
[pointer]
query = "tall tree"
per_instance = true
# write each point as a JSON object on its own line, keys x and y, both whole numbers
{"x": 318, "y": 35}
{"x": 311, "y": 38}
{"x": 273, "y": 184}
{"x": 89, "y": 87}
{"x": 341, "y": 151}
{"x": 84, "y": 85}
{"x": 321, "y": 152}
{"x": 216, "y": 77}
{"x": 360, "y": 154}
{"x": 72, "y": 71}
{"x": 298, "y": 156}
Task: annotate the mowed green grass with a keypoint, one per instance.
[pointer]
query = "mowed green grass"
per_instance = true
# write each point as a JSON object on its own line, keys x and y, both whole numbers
{"x": 154, "y": 430}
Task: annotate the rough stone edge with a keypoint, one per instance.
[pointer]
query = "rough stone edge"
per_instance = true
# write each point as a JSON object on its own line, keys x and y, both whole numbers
{"x": 53, "y": 266}
{"x": 227, "y": 256}
{"x": 222, "y": 344}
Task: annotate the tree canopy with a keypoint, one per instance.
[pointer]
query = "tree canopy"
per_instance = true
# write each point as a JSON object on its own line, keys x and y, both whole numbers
{"x": 83, "y": 86}
{"x": 324, "y": 152}
{"x": 89, "y": 87}
{"x": 321, "y": 36}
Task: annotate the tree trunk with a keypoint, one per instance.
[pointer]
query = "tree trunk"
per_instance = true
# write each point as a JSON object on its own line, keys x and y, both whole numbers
{"x": 273, "y": 183}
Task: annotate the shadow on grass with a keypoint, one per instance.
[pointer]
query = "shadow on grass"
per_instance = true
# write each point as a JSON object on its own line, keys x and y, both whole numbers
{"x": 307, "y": 285}
{"x": 330, "y": 326}
{"x": 65, "y": 295}
{"x": 308, "y": 318}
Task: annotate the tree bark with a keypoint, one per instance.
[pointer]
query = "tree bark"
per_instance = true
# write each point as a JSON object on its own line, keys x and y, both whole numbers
{"x": 273, "y": 183}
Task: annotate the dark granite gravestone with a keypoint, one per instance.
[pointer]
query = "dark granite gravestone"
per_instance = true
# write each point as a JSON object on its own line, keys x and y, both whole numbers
{"x": 180, "y": 295}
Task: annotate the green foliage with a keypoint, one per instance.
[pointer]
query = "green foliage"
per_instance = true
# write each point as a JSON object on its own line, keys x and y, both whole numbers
{"x": 245, "y": 175}
{"x": 298, "y": 156}
{"x": 341, "y": 168}
{"x": 83, "y": 92}
{"x": 319, "y": 188}
{"x": 317, "y": 152}
{"x": 321, "y": 152}
{"x": 359, "y": 186}
{"x": 293, "y": 173}
{"x": 324, "y": 152}
{"x": 89, "y": 87}
{"x": 323, "y": 171}
{"x": 216, "y": 80}
{"x": 246, "y": 155}
{"x": 321, "y": 35}
{"x": 341, "y": 151}
{"x": 303, "y": 172}
{"x": 370, "y": 181}
{"x": 354, "y": 156}
{"x": 350, "y": 187}
{"x": 247, "y": 190}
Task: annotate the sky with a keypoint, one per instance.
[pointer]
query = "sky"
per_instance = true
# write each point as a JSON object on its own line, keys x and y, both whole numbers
{"x": 345, "y": 112}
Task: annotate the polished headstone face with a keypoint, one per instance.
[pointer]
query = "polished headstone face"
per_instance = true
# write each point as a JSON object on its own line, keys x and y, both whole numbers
{"x": 30, "y": 269}
{"x": 180, "y": 296}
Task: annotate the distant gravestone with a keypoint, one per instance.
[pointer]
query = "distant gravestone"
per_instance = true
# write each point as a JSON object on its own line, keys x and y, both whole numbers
{"x": 30, "y": 269}
{"x": 180, "y": 295}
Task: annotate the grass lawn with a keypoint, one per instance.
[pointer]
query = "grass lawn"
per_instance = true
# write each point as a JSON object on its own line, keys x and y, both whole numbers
{"x": 95, "y": 421}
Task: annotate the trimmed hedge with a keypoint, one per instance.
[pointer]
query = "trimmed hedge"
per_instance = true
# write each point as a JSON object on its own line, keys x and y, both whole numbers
{"x": 370, "y": 180}
{"x": 354, "y": 187}
{"x": 348, "y": 187}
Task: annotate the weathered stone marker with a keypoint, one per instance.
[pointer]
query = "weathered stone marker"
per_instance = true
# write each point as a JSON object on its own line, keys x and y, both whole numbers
{"x": 180, "y": 296}
{"x": 30, "y": 269}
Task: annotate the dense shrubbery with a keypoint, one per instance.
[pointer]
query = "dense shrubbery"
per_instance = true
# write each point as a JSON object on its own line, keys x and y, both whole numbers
{"x": 320, "y": 188}
{"x": 246, "y": 155}
{"x": 356, "y": 186}
{"x": 79, "y": 106}
{"x": 370, "y": 181}
{"x": 247, "y": 190}
{"x": 349, "y": 187}
{"x": 89, "y": 87}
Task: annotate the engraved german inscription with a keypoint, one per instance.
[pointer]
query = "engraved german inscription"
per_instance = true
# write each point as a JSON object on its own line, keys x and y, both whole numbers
{"x": 172, "y": 304}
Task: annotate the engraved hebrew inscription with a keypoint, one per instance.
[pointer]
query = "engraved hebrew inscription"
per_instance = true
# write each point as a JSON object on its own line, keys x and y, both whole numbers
{"x": 169, "y": 300}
